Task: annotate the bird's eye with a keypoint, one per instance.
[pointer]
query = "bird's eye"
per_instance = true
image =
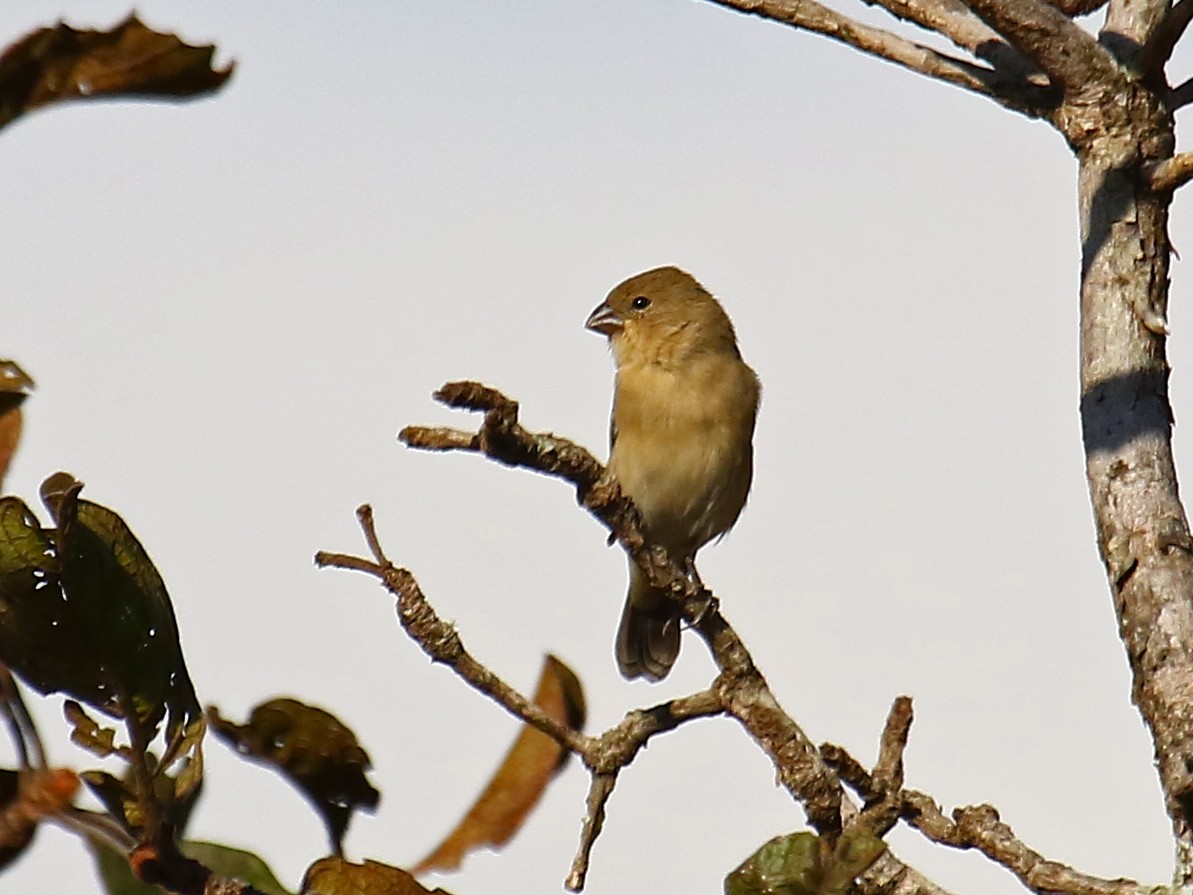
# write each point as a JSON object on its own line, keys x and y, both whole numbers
{"x": 641, "y": 303}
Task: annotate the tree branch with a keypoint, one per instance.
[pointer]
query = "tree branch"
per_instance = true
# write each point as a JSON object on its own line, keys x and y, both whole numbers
{"x": 976, "y": 827}
{"x": 1180, "y": 96}
{"x": 809, "y": 15}
{"x": 604, "y": 755}
{"x": 1063, "y": 50}
{"x": 1170, "y": 174}
{"x": 1158, "y": 49}
{"x": 952, "y": 19}
{"x": 599, "y": 791}
{"x": 740, "y": 689}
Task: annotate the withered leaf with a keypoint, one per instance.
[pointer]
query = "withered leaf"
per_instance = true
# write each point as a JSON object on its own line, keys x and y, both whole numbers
{"x": 335, "y": 876}
{"x": 84, "y": 611}
{"x": 803, "y": 864}
{"x": 15, "y": 385}
{"x": 312, "y": 748}
{"x": 86, "y": 733}
{"x": 61, "y": 63}
{"x": 522, "y": 777}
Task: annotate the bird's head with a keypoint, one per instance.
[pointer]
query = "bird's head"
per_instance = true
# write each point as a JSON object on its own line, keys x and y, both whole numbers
{"x": 662, "y": 316}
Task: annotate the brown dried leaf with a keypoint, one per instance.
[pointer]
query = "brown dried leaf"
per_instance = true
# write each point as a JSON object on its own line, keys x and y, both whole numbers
{"x": 15, "y": 385}
{"x": 56, "y": 64}
{"x": 335, "y": 876}
{"x": 521, "y": 779}
{"x": 314, "y": 749}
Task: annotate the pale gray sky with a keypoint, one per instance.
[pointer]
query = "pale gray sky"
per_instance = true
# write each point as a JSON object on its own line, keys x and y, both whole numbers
{"x": 231, "y": 308}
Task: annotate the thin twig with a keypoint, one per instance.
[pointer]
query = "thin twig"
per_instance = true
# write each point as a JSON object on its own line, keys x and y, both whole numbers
{"x": 441, "y": 643}
{"x": 895, "y": 732}
{"x": 599, "y": 790}
{"x": 979, "y": 827}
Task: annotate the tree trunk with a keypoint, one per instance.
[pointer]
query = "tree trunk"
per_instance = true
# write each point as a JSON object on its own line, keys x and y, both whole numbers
{"x": 1143, "y": 534}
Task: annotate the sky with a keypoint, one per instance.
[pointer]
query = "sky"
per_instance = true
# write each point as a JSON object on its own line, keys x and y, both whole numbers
{"x": 232, "y": 306}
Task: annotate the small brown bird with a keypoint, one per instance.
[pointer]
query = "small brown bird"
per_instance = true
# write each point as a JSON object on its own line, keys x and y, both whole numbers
{"x": 684, "y": 407}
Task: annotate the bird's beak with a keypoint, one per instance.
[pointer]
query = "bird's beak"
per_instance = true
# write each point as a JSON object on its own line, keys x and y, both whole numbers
{"x": 604, "y": 320}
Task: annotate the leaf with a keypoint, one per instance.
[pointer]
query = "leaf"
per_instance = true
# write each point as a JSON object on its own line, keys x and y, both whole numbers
{"x": 56, "y": 64}
{"x": 118, "y": 603}
{"x": 313, "y": 749}
{"x": 802, "y": 864}
{"x": 114, "y": 873}
{"x": 520, "y": 781}
{"x": 175, "y": 796}
{"x": 235, "y": 863}
{"x": 41, "y": 638}
{"x": 118, "y": 798}
{"x": 228, "y": 862}
{"x": 15, "y": 385}
{"x": 335, "y": 876}
{"x": 87, "y": 734}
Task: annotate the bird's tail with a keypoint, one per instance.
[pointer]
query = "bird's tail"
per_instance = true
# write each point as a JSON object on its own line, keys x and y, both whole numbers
{"x": 648, "y": 636}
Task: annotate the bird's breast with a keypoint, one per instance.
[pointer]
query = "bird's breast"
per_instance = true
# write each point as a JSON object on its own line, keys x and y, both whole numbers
{"x": 683, "y": 450}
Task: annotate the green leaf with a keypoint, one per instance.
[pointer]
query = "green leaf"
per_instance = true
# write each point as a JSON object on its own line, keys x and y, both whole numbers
{"x": 236, "y": 864}
{"x": 41, "y": 637}
{"x": 802, "y": 864}
{"x": 117, "y": 596}
{"x": 233, "y": 863}
{"x": 786, "y": 865}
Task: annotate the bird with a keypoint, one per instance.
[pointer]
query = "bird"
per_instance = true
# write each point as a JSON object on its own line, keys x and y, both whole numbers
{"x": 680, "y": 440}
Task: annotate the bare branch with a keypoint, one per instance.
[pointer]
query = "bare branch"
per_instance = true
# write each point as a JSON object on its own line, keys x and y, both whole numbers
{"x": 599, "y": 791}
{"x": 979, "y": 827}
{"x": 1172, "y": 173}
{"x": 809, "y": 15}
{"x": 895, "y": 732}
{"x": 742, "y": 689}
{"x": 441, "y": 643}
{"x": 1158, "y": 49}
{"x": 1063, "y": 50}
{"x": 976, "y": 827}
{"x": 952, "y": 19}
{"x": 604, "y": 756}
{"x": 739, "y": 689}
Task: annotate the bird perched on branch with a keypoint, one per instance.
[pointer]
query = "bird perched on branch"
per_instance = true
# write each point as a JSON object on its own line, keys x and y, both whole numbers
{"x": 684, "y": 406}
